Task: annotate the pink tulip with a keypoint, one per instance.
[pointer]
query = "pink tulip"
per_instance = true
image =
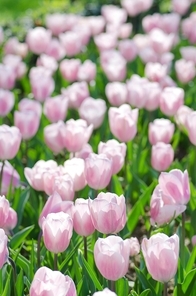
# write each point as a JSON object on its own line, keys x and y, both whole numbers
{"x": 55, "y": 108}
{"x": 176, "y": 185}
{"x": 55, "y": 49}
{"x": 185, "y": 70}
{"x": 13, "y": 46}
{"x": 114, "y": 14}
{"x": 31, "y": 105}
{"x": 116, "y": 152}
{"x": 96, "y": 24}
{"x": 75, "y": 134}
{"x": 35, "y": 175}
{"x": 108, "y": 212}
{"x": 193, "y": 240}
{"x": 171, "y": 99}
{"x": 182, "y": 116}
{"x": 11, "y": 221}
{"x": 38, "y": 39}
{"x": 123, "y": 122}
{"x": 75, "y": 167}
{"x": 136, "y": 91}
{"x": 114, "y": 65}
{"x": 7, "y": 77}
{"x": 160, "y": 41}
{"x": 160, "y": 130}
{"x": 47, "y": 62}
{"x": 112, "y": 257}
{"x": 56, "y": 23}
{"x": 155, "y": 71}
{"x": 4, "y": 211}
{"x": 76, "y": 93}
{"x": 87, "y": 71}
{"x": 71, "y": 42}
{"x": 82, "y": 220}
{"x": 6, "y": 102}
{"x": 105, "y": 41}
{"x": 27, "y": 122}
{"x": 42, "y": 86}
{"x": 161, "y": 256}
{"x": 188, "y": 25}
{"x": 162, "y": 156}
{"x": 116, "y": 93}
{"x": 93, "y": 111}
{"x": 163, "y": 207}
{"x": 84, "y": 153}
{"x": 152, "y": 92}
{"x": 57, "y": 231}
{"x": 105, "y": 292}
{"x": 125, "y": 30}
{"x": 52, "y": 136}
{"x": 10, "y": 178}
{"x": 55, "y": 204}
{"x": 98, "y": 170}
{"x": 128, "y": 49}
{"x": 135, "y": 246}
{"x": 188, "y": 53}
{"x": 4, "y": 253}
{"x": 190, "y": 125}
{"x": 181, "y": 7}
{"x": 134, "y": 7}
{"x": 48, "y": 282}
{"x": 10, "y": 139}
{"x": 69, "y": 69}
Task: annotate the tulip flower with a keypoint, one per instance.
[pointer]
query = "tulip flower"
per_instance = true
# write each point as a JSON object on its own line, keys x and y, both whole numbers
{"x": 116, "y": 93}
{"x": 38, "y": 39}
{"x": 161, "y": 256}
{"x": 160, "y": 130}
{"x": 108, "y": 212}
{"x": 105, "y": 292}
{"x": 10, "y": 139}
{"x": 190, "y": 125}
{"x": 27, "y": 122}
{"x": 6, "y": 102}
{"x": 69, "y": 69}
{"x": 3, "y": 248}
{"x": 48, "y": 282}
{"x": 171, "y": 99}
{"x": 162, "y": 155}
{"x": 57, "y": 231}
{"x": 75, "y": 167}
{"x": 55, "y": 109}
{"x": 112, "y": 257}
{"x": 52, "y": 136}
{"x": 10, "y": 177}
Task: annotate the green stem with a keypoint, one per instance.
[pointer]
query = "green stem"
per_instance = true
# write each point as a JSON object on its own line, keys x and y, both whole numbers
{"x": 165, "y": 290}
{"x": 39, "y": 249}
{"x": 1, "y": 174}
{"x": 182, "y": 241}
{"x": 85, "y": 248}
{"x": 12, "y": 263}
{"x": 55, "y": 261}
{"x": 112, "y": 286}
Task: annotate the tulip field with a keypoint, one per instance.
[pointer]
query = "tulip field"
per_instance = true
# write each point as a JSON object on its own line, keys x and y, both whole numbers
{"x": 98, "y": 150}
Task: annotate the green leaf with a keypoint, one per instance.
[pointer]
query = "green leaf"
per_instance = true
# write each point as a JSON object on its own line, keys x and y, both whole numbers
{"x": 19, "y": 204}
{"x": 145, "y": 293}
{"x": 191, "y": 260}
{"x": 21, "y": 261}
{"x": 189, "y": 281}
{"x": 122, "y": 286}
{"x": 20, "y": 284}
{"x": 20, "y": 236}
{"x": 92, "y": 275}
{"x": 145, "y": 282}
{"x": 116, "y": 185}
{"x": 6, "y": 290}
{"x": 138, "y": 208}
{"x": 70, "y": 255}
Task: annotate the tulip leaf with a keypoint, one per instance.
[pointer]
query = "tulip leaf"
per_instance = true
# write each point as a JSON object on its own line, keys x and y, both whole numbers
{"x": 20, "y": 236}
{"x": 92, "y": 275}
{"x": 20, "y": 283}
{"x": 70, "y": 255}
{"x": 189, "y": 281}
{"x": 21, "y": 261}
{"x": 145, "y": 293}
{"x": 138, "y": 208}
{"x": 6, "y": 291}
{"x": 19, "y": 203}
{"x": 145, "y": 282}
{"x": 191, "y": 260}
{"x": 122, "y": 286}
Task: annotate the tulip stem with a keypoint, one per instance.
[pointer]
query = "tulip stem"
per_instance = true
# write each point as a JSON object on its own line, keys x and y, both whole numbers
{"x": 39, "y": 249}
{"x": 182, "y": 240}
{"x": 85, "y": 248}
{"x": 112, "y": 286}
{"x": 55, "y": 261}
{"x": 165, "y": 290}
{"x": 12, "y": 263}
{"x": 1, "y": 175}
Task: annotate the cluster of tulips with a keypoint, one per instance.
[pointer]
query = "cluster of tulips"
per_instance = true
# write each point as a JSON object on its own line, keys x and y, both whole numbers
{"x": 69, "y": 158}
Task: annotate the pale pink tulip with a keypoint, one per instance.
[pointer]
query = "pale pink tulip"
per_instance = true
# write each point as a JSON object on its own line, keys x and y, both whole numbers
{"x": 116, "y": 93}
{"x": 75, "y": 167}
{"x": 108, "y": 212}
{"x": 161, "y": 256}
{"x": 4, "y": 253}
{"x": 7, "y": 77}
{"x": 42, "y": 87}
{"x": 52, "y": 136}
{"x": 134, "y": 7}
{"x": 57, "y": 231}
{"x": 82, "y": 220}
{"x": 181, "y": 7}
{"x": 155, "y": 71}
{"x": 171, "y": 99}
{"x": 185, "y": 70}
{"x": 152, "y": 93}
{"x": 16, "y": 64}
{"x": 48, "y": 282}
{"x": 10, "y": 139}
{"x": 160, "y": 41}
{"x": 84, "y": 153}
{"x": 6, "y": 102}
{"x": 71, "y": 42}
{"x": 136, "y": 91}
{"x": 55, "y": 49}
{"x": 11, "y": 221}
{"x": 47, "y": 62}
{"x": 162, "y": 156}
{"x": 135, "y": 246}
{"x": 191, "y": 126}
{"x": 76, "y": 93}
{"x": 4, "y": 210}
{"x": 56, "y": 23}
{"x": 188, "y": 25}
{"x": 31, "y": 105}
{"x": 98, "y": 170}
{"x": 128, "y": 49}
{"x": 123, "y": 122}
{"x": 87, "y": 71}
{"x": 10, "y": 178}
{"x": 114, "y": 14}
{"x": 112, "y": 257}
{"x": 38, "y": 39}
{"x": 115, "y": 151}
{"x": 105, "y": 41}
{"x": 69, "y": 69}
{"x": 160, "y": 130}
{"x": 181, "y": 116}
{"x": 114, "y": 65}
{"x": 93, "y": 111}
{"x": 188, "y": 53}
{"x": 75, "y": 133}
{"x": 27, "y": 122}
{"x": 193, "y": 240}
{"x": 55, "y": 108}
{"x": 105, "y": 292}
{"x": 96, "y": 24}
